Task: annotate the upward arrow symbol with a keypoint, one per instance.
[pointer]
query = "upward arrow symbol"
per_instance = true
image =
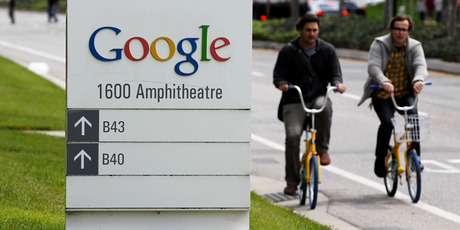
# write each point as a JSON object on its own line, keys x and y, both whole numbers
{"x": 83, "y": 121}
{"x": 82, "y": 154}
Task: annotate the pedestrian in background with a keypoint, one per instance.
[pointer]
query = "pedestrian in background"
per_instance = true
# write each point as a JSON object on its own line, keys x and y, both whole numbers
{"x": 429, "y": 5}
{"x": 421, "y": 9}
{"x": 438, "y": 7}
{"x": 11, "y": 6}
{"x": 52, "y": 10}
{"x": 310, "y": 63}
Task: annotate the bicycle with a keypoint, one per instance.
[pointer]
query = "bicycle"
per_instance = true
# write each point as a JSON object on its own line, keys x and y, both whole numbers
{"x": 406, "y": 129}
{"x": 310, "y": 172}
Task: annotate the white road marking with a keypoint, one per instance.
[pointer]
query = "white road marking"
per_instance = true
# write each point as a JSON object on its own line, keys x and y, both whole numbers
{"x": 258, "y": 74}
{"x": 369, "y": 183}
{"x": 32, "y": 51}
{"x": 440, "y": 167}
{"x": 351, "y": 96}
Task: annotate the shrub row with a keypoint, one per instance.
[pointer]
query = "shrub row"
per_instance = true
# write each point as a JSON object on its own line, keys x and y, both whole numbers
{"x": 357, "y": 32}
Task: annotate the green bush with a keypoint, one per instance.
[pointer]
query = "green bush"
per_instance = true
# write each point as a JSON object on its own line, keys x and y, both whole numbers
{"x": 358, "y": 33}
{"x": 279, "y": 30}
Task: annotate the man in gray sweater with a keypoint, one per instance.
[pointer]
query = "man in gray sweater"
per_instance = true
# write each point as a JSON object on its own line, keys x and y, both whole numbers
{"x": 397, "y": 63}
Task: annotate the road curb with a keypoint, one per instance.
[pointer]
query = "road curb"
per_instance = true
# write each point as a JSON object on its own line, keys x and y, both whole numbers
{"x": 433, "y": 64}
{"x": 263, "y": 186}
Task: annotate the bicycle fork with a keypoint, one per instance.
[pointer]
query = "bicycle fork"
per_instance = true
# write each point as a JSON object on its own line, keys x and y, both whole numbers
{"x": 309, "y": 153}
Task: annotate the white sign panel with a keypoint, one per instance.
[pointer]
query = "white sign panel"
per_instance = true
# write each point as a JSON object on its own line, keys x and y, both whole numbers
{"x": 159, "y": 54}
{"x": 158, "y": 159}
{"x": 202, "y": 220}
{"x": 158, "y": 192}
{"x": 159, "y": 125}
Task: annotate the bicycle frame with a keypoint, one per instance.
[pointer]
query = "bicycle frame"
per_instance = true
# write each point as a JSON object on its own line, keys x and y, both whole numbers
{"x": 310, "y": 150}
{"x": 310, "y": 144}
{"x": 398, "y": 144}
{"x": 395, "y": 152}
{"x": 412, "y": 161}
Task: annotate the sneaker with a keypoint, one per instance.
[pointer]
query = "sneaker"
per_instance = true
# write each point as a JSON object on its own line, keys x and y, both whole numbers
{"x": 290, "y": 190}
{"x": 379, "y": 167}
{"x": 325, "y": 160}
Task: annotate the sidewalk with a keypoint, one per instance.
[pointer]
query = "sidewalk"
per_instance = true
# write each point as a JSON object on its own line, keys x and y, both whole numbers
{"x": 433, "y": 64}
{"x": 272, "y": 190}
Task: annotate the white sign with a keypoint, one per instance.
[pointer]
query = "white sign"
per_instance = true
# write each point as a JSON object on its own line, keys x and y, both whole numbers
{"x": 159, "y": 54}
{"x": 157, "y": 192}
{"x": 158, "y": 159}
{"x": 158, "y": 114}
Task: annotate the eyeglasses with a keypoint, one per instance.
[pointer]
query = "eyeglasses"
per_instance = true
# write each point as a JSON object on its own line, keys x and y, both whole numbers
{"x": 401, "y": 30}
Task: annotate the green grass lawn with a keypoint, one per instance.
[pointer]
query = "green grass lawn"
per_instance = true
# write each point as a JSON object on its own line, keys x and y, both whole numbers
{"x": 32, "y": 166}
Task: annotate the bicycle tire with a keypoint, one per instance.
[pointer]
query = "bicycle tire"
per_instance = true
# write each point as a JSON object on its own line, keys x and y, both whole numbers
{"x": 313, "y": 183}
{"x": 303, "y": 186}
{"x": 413, "y": 176}
{"x": 391, "y": 179}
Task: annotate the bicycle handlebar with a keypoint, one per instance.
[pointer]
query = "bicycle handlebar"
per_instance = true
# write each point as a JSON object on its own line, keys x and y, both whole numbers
{"x": 401, "y": 108}
{"x": 329, "y": 89}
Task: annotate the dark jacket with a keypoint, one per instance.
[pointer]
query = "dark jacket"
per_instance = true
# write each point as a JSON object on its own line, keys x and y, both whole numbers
{"x": 291, "y": 68}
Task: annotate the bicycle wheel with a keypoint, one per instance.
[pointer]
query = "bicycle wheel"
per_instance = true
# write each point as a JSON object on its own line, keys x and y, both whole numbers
{"x": 391, "y": 179}
{"x": 413, "y": 176}
{"x": 313, "y": 183}
{"x": 303, "y": 186}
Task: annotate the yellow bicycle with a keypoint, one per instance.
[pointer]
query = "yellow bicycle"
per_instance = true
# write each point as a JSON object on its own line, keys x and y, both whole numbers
{"x": 310, "y": 172}
{"x": 406, "y": 129}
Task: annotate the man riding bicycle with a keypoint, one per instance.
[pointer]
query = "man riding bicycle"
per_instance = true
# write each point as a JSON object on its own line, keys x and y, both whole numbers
{"x": 311, "y": 63}
{"x": 397, "y": 62}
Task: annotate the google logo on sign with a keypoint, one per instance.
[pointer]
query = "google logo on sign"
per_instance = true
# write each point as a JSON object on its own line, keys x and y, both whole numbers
{"x": 152, "y": 49}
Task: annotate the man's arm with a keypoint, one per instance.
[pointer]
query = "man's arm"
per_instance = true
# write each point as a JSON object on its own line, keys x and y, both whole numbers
{"x": 374, "y": 66}
{"x": 280, "y": 71}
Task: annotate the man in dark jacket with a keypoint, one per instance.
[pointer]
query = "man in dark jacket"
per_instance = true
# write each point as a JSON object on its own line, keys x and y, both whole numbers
{"x": 292, "y": 67}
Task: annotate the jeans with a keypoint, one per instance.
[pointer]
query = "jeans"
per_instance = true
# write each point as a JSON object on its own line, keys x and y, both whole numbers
{"x": 295, "y": 119}
{"x": 385, "y": 111}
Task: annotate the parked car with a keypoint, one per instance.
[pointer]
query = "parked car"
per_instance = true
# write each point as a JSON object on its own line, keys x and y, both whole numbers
{"x": 331, "y": 7}
{"x": 262, "y": 9}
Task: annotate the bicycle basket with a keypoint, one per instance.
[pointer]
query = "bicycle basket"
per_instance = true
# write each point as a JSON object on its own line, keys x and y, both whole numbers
{"x": 412, "y": 127}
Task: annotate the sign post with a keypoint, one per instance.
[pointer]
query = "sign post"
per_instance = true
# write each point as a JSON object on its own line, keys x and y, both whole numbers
{"x": 158, "y": 114}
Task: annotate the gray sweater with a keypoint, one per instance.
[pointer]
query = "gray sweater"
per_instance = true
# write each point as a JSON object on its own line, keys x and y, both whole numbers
{"x": 379, "y": 55}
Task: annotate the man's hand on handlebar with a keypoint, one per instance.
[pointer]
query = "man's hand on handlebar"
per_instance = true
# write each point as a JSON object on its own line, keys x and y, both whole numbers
{"x": 341, "y": 88}
{"x": 284, "y": 87}
{"x": 418, "y": 86}
{"x": 388, "y": 87}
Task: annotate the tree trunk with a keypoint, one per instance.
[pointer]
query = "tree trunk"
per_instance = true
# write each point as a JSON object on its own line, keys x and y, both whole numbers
{"x": 294, "y": 10}
{"x": 267, "y": 9}
{"x": 340, "y": 14}
{"x": 452, "y": 18}
{"x": 445, "y": 11}
{"x": 387, "y": 11}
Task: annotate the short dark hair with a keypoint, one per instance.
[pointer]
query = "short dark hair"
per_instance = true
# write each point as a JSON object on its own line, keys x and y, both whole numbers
{"x": 306, "y": 18}
{"x": 401, "y": 18}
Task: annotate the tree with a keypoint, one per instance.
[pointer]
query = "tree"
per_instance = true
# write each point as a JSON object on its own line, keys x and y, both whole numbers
{"x": 387, "y": 12}
{"x": 452, "y": 18}
{"x": 340, "y": 14}
{"x": 294, "y": 10}
{"x": 267, "y": 9}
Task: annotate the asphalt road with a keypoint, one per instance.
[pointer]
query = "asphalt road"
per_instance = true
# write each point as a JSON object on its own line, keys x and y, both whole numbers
{"x": 351, "y": 196}
{"x": 352, "y": 192}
